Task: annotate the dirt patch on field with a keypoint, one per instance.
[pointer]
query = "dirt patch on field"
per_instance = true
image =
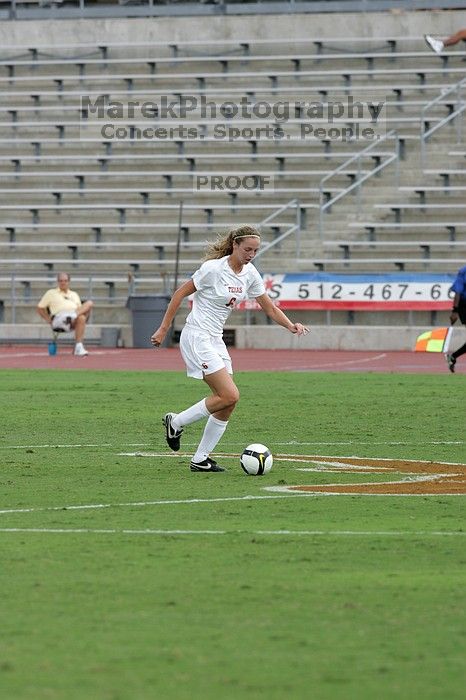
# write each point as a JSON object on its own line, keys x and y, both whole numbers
{"x": 417, "y": 478}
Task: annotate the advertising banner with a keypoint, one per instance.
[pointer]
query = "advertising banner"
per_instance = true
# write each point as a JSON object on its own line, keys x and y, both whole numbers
{"x": 372, "y": 292}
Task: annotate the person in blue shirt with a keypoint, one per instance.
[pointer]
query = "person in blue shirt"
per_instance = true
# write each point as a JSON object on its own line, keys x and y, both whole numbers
{"x": 458, "y": 312}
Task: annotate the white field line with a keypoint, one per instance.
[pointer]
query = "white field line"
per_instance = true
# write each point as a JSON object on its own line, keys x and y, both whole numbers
{"x": 44, "y": 353}
{"x": 279, "y": 492}
{"x": 13, "y": 356}
{"x": 67, "y": 446}
{"x": 316, "y": 458}
{"x": 288, "y": 489}
{"x": 274, "y": 533}
{"x": 291, "y": 443}
{"x": 350, "y": 469}
{"x": 288, "y": 458}
{"x": 337, "y": 364}
{"x": 411, "y": 478}
{"x": 306, "y": 459}
{"x": 140, "y": 504}
{"x": 284, "y": 491}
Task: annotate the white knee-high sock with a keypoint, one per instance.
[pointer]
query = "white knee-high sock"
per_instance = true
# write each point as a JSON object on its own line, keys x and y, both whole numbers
{"x": 213, "y": 431}
{"x": 190, "y": 415}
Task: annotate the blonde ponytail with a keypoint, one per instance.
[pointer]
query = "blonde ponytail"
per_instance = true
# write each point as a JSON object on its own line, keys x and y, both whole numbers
{"x": 224, "y": 244}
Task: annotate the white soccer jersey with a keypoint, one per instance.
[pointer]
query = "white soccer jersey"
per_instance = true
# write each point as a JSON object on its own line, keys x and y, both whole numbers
{"x": 218, "y": 290}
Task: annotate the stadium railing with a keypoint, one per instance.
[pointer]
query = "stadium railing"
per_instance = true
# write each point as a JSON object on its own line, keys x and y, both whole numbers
{"x": 296, "y": 59}
{"x": 294, "y": 227}
{"x": 98, "y": 228}
{"x": 240, "y": 44}
{"x": 423, "y": 190}
{"x": 208, "y": 210}
{"x": 455, "y": 113}
{"x": 202, "y": 125}
{"x": 75, "y": 247}
{"x": 173, "y": 48}
{"x": 326, "y": 202}
{"x": 399, "y": 208}
{"x": 253, "y": 148}
{"x": 372, "y": 227}
{"x": 146, "y": 265}
{"x": 426, "y": 247}
{"x": 414, "y": 264}
{"x": 36, "y": 93}
{"x": 446, "y": 174}
{"x": 16, "y": 109}
{"x": 202, "y": 77}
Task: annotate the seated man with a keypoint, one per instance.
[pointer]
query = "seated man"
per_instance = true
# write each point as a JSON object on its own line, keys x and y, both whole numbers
{"x": 62, "y": 308}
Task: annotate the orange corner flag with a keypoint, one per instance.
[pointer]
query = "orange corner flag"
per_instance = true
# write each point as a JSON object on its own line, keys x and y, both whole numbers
{"x": 436, "y": 340}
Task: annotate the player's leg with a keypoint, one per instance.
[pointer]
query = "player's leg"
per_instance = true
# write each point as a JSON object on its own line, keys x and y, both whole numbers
{"x": 217, "y": 408}
{"x": 438, "y": 45}
{"x": 221, "y": 404}
{"x": 200, "y": 354}
{"x": 459, "y": 352}
{"x": 85, "y": 310}
{"x": 225, "y": 394}
{"x": 455, "y": 38}
{"x": 79, "y": 326}
{"x": 453, "y": 356}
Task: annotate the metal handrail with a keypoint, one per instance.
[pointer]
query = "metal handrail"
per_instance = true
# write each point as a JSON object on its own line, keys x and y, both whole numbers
{"x": 326, "y": 204}
{"x": 460, "y": 108}
{"x": 292, "y": 228}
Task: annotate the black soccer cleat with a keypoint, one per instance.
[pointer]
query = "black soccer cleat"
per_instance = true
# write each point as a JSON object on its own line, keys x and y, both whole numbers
{"x": 451, "y": 362}
{"x": 172, "y": 435}
{"x": 208, "y": 465}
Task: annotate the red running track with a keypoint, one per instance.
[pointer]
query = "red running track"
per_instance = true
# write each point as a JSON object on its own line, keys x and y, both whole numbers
{"x": 36, "y": 357}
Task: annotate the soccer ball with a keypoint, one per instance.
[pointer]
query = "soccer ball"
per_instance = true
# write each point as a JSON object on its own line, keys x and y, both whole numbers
{"x": 62, "y": 322}
{"x": 256, "y": 460}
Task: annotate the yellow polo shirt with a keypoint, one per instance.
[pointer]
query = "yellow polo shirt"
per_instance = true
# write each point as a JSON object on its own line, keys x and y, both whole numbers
{"x": 57, "y": 301}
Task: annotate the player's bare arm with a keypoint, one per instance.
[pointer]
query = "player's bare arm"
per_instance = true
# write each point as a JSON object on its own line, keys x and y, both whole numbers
{"x": 181, "y": 293}
{"x": 277, "y": 315}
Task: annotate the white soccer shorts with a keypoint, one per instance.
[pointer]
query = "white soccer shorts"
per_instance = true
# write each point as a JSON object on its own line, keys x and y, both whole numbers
{"x": 203, "y": 353}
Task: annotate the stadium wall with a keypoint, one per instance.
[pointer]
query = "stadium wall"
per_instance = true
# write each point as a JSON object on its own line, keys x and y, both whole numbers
{"x": 350, "y": 338}
{"x": 165, "y": 29}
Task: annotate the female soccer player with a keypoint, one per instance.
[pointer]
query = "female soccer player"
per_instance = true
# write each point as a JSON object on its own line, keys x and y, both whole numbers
{"x": 225, "y": 278}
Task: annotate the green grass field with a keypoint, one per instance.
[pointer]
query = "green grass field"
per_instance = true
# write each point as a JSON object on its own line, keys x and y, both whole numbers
{"x": 362, "y": 598}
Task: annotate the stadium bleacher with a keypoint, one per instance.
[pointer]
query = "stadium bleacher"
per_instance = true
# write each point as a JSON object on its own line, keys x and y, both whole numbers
{"x": 74, "y": 196}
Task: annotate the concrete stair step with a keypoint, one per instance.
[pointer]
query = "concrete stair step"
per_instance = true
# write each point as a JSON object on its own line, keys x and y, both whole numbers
{"x": 28, "y": 332}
